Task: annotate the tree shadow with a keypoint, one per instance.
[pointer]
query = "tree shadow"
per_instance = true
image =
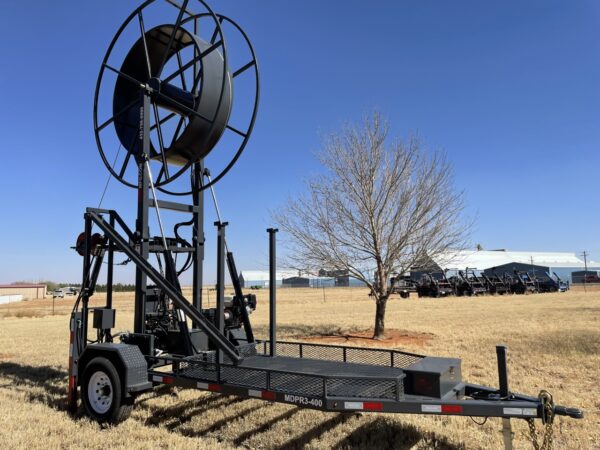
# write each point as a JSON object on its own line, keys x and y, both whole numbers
{"x": 382, "y": 433}
{"x": 25, "y": 378}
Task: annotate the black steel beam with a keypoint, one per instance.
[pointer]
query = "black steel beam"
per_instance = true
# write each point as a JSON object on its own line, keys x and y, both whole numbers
{"x": 220, "y": 281}
{"x": 180, "y": 302}
{"x": 141, "y": 225}
{"x": 173, "y": 206}
{"x": 502, "y": 370}
{"x": 272, "y": 291}
{"x": 198, "y": 237}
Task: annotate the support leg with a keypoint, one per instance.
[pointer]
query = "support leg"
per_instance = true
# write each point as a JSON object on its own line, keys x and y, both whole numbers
{"x": 507, "y": 434}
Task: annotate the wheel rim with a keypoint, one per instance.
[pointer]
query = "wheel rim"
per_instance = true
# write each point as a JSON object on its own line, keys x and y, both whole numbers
{"x": 100, "y": 392}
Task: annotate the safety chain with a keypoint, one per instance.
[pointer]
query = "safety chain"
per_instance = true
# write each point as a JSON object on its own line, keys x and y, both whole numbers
{"x": 548, "y": 407}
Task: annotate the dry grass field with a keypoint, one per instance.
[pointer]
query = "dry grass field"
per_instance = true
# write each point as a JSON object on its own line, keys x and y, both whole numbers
{"x": 553, "y": 339}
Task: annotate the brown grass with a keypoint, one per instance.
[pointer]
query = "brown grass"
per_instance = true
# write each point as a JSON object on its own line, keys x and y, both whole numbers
{"x": 554, "y": 342}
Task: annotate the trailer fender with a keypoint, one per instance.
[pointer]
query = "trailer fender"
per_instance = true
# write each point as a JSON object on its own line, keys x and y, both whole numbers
{"x": 129, "y": 361}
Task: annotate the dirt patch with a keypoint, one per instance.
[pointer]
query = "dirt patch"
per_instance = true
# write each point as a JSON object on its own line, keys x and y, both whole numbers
{"x": 393, "y": 338}
{"x": 4, "y": 356}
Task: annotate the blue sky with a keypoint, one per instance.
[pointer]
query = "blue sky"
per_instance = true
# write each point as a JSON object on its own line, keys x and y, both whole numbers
{"x": 509, "y": 89}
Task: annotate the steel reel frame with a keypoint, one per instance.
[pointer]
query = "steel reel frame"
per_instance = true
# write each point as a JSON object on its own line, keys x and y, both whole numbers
{"x": 179, "y": 26}
{"x": 246, "y": 135}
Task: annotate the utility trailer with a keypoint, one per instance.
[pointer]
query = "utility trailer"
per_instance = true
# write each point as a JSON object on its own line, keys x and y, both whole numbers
{"x": 496, "y": 284}
{"x": 403, "y": 286}
{"x": 469, "y": 284}
{"x": 180, "y": 342}
{"x": 429, "y": 286}
{"x": 552, "y": 283}
{"x": 524, "y": 283}
{"x": 221, "y": 355}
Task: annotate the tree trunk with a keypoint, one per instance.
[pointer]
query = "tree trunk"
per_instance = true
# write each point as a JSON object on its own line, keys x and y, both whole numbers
{"x": 380, "y": 318}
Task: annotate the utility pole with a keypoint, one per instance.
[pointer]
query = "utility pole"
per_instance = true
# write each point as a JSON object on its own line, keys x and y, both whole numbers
{"x": 585, "y": 255}
{"x": 532, "y": 266}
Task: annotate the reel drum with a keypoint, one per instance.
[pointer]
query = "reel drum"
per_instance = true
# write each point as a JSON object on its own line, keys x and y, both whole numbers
{"x": 191, "y": 106}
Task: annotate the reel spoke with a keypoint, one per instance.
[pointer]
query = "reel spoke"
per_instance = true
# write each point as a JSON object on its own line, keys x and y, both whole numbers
{"x": 189, "y": 111}
{"x": 179, "y": 7}
{"x": 160, "y": 140}
{"x": 163, "y": 121}
{"x": 125, "y": 163}
{"x": 214, "y": 36}
{"x": 243, "y": 69}
{"x": 124, "y": 75}
{"x": 143, "y": 32}
{"x": 176, "y": 134}
{"x": 161, "y": 172}
{"x": 122, "y": 111}
{"x": 235, "y": 130}
{"x": 172, "y": 37}
{"x": 189, "y": 64}
{"x": 181, "y": 71}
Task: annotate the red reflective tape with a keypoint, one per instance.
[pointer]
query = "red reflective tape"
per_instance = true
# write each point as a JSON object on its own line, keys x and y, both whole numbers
{"x": 167, "y": 380}
{"x": 451, "y": 409}
{"x": 268, "y": 395}
{"x": 373, "y": 406}
{"x": 214, "y": 387}
{"x": 71, "y": 383}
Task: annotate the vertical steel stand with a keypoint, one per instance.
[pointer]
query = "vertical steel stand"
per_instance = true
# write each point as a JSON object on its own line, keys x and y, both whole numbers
{"x": 220, "y": 282}
{"x": 110, "y": 268}
{"x": 501, "y": 354}
{"x": 272, "y": 292}
{"x": 198, "y": 237}
{"x": 141, "y": 225}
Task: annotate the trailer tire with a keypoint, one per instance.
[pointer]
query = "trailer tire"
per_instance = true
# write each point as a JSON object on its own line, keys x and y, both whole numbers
{"x": 102, "y": 393}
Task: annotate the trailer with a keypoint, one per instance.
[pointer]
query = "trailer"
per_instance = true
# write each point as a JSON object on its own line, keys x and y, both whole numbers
{"x": 523, "y": 283}
{"x": 552, "y": 283}
{"x": 469, "y": 284}
{"x": 496, "y": 284}
{"x": 429, "y": 286}
{"x": 180, "y": 342}
{"x": 403, "y": 286}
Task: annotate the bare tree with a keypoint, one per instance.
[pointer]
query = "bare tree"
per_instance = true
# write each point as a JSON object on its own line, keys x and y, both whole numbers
{"x": 381, "y": 208}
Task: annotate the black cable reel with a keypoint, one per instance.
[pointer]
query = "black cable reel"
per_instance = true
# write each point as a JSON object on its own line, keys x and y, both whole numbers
{"x": 186, "y": 70}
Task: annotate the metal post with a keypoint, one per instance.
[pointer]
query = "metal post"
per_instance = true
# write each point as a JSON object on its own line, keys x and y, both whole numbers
{"x": 141, "y": 227}
{"x": 86, "y": 275}
{"x": 198, "y": 238}
{"x": 220, "y": 281}
{"x": 272, "y": 292}
{"x": 585, "y": 273}
{"x": 501, "y": 351}
{"x": 507, "y": 434}
{"x": 110, "y": 268}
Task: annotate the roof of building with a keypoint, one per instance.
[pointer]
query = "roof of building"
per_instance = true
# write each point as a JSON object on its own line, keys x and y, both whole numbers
{"x": 22, "y": 286}
{"x": 486, "y": 259}
{"x": 263, "y": 275}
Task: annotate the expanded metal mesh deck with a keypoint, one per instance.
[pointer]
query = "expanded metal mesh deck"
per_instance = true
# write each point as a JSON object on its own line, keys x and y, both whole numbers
{"x": 307, "y": 369}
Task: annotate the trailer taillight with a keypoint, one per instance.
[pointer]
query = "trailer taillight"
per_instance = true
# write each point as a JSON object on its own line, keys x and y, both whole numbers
{"x": 451, "y": 409}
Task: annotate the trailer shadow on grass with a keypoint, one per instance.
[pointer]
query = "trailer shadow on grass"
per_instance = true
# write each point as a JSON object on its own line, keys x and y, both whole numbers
{"x": 42, "y": 384}
{"x": 382, "y": 433}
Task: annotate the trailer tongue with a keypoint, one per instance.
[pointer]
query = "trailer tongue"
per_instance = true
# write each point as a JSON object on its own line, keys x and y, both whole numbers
{"x": 179, "y": 342}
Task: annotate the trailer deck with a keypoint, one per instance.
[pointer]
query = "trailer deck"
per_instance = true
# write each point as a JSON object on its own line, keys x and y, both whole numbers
{"x": 336, "y": 378}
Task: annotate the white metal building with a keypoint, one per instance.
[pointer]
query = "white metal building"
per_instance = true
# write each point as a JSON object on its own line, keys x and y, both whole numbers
{"x": 562, "y": 263}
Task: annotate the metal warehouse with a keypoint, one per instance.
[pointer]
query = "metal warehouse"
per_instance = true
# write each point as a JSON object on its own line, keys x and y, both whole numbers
{"x": 501, "y": 261}
{"x": 29, "y": 291}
